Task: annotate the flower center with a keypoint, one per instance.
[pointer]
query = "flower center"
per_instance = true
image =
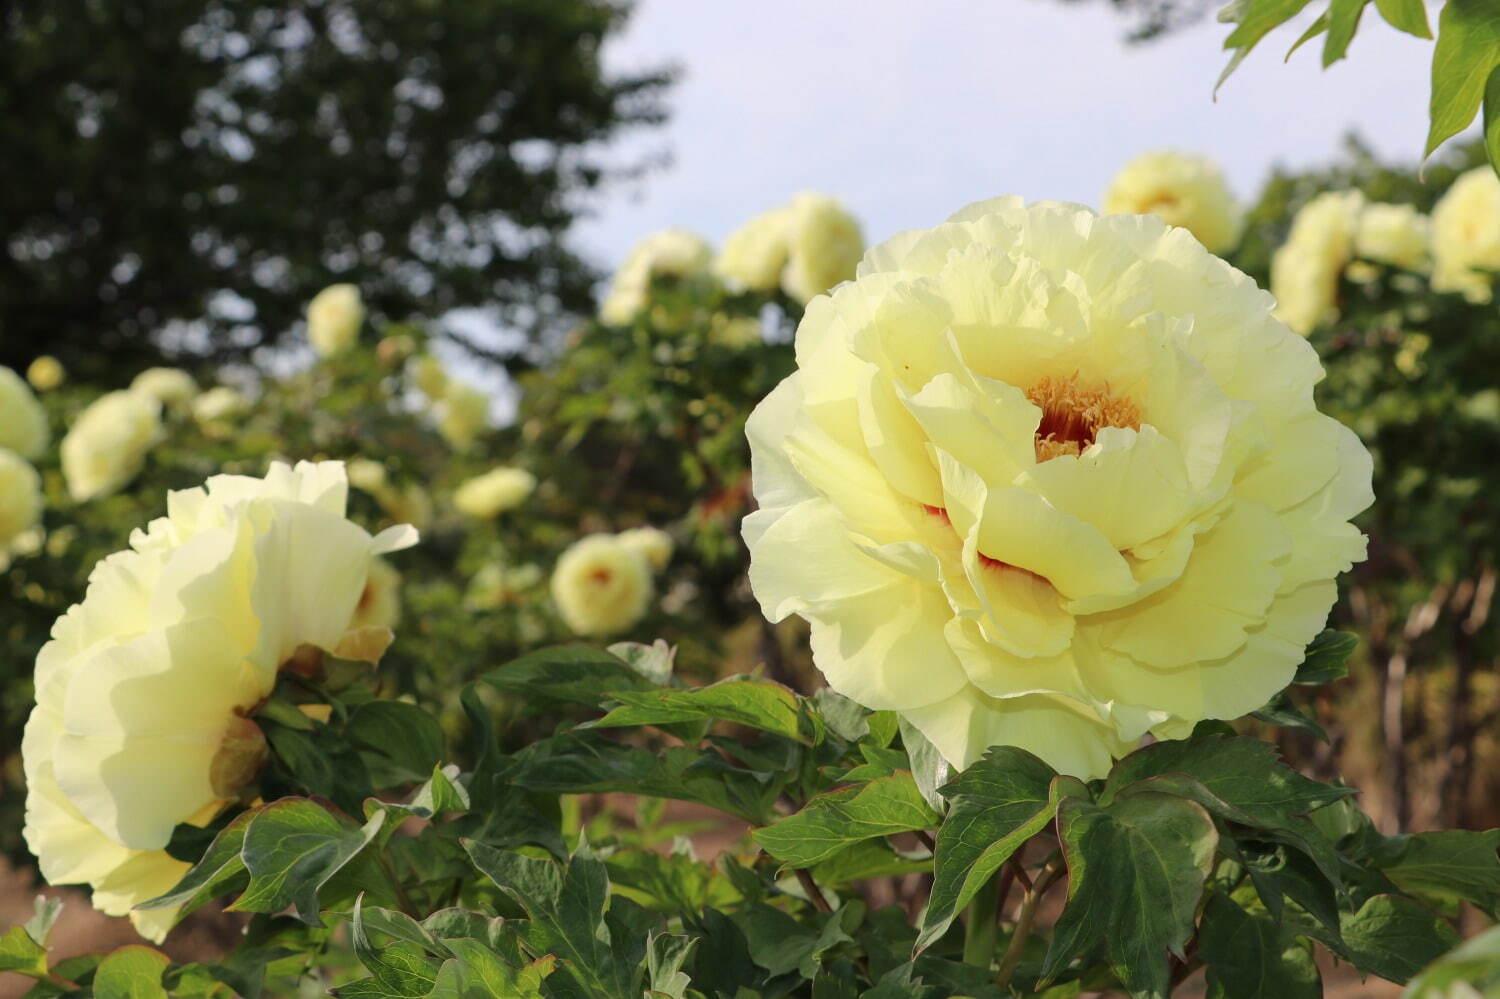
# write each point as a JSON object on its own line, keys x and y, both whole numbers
{"x": 601, "y": 577}
{"x": 1073, "y": 414}
{"x": 242, "y": 752}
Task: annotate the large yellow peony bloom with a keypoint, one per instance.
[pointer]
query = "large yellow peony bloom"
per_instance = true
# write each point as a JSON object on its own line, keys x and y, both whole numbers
{"x": 20, "y": 501}
{"x": 1182, "y": 190}
{"x": 106, "y": 446}
{"x": 23, "y": 422}
{"x": 334, "y": 317}
{"x": 601, "y": 585}
{"x": 1305, "y": 270}
{"x": 144, "y": 693}
{"x": 1466, "y": 235}
{"x": 1053, "y": 480}
{"x": 496, "y": 491}
{"x": 674, "y": 253}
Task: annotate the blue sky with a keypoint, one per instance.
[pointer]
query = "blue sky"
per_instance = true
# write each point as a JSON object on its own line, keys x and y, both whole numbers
{"x": 909, "y": 110}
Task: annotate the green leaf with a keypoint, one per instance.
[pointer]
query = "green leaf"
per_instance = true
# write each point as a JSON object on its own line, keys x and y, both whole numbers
{"x": 1492, "y": 119}
{"x": 1446, "y": 865}
{"x": 566, "y": 909}
{"x": 654, "y": 661}
{"x": 1327, "y": 658}
{"x": 132, "y": 972}
{"x": 218, "y": 872}
{"x": 1395, "y": 937}
{"x": 1409, "y": 16}
{"x": 293, "y": 847}
{"x": 399, "y": 968}
{"x": 782, "y": 945}
{"x": 21, "y": 953}
{"x": 758, "y": 704}
{"x": 1252, "y": 957}
{"x": 832, "y": 821}
{"x": 1253, "y": 20}
{"x": 1467, "y": 52}
{"x": 928, "y": 768}
{"x": 1319, "y": 25}
{"x": 570, "y": 674}
{"x": 441, "y": 793}
{"x": 477, "y": 972}
{"x": 1475, "y": 963}
{"x": 1280, "y": 710}
{"x": 868, "y": 859}
{"x": 997, "y": 804}
{"x": 43, "y": 918}
{"x": 666, "y": 953}
{"x": 404, "y": 736}
{"x": 1135, "y": 874}
{"x": 1343, "y": 22}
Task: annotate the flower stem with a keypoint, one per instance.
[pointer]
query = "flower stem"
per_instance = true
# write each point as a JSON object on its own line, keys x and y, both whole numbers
{"x": 982, "y": 929}
{"x": 1026, "y": 916}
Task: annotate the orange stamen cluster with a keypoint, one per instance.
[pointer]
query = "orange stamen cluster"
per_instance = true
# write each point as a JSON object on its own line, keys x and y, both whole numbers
{"x": 1073, "y": 414}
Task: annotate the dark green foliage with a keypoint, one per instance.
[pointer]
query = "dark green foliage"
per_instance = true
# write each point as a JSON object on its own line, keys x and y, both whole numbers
{"x": 219, "y": 164}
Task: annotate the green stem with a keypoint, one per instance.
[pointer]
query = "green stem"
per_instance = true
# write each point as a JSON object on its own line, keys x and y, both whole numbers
{"x": 983, "y": 927}
{"x": 1026, "y": 916}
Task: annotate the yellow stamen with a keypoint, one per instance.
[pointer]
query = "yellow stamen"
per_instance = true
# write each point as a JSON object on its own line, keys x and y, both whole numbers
{"x": 1073, "y": 415}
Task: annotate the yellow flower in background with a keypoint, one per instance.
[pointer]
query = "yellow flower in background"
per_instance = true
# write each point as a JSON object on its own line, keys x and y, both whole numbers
{"x": 1466, "y": 235}
{"x": 367, "y": 475}
{"x": 219, "y": 404}
{"x": 463, "y": 414}
{"x": 1305, "y": 270}
{"x": 428, "y": 374}
{"x": 1182, "y": 190}
{"x": 1052, "y": 480}
{"x": 23, "y": 422}
{"x": 142, "y": 695}
{"x": 601, "y": 586}
{"x": 20, "y": 501}
{"x": 334, "y": 317}
{"x": 380, "y": 602}
{"x": 106, "y": 446}
{"x": 674, "y": 253}
{"x": 172, "y": 387}
{"x": 496, "y": 491}
{"x": 654, "y": 544}
{"x": 824, "y": 245}
{"x": 736, "y": 332}
{"x": 46, "y": 373}
{"x": 755, "y": 254}
{"x": 1397, "y": 235}
{"x": 496, "y": 585}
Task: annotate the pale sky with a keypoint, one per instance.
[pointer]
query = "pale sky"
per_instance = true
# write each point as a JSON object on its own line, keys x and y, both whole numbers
{"x": 909, "y": 109}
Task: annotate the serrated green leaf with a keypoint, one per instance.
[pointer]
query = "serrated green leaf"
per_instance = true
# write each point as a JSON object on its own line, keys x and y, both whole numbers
{"x": 868, "y": 859}
{"x": 1135, "y": 873}
{"x": 1395, "y": 937}
{"x": 675, "y": 882}
{"x": 479, "y": 973}
{"x": 132, "y": 972}
{"x": 1343, "y": 22}
{"x": 782, "y": 945}
{"x": 292, "y": 848}
{"x": 1475, "y": 963}
{"x": 1446, "y": 865}
{"x": 566, "y": 909}
{"x": 569, "y": 674}
{"x": 1252, "y": 957}
{"x": 218, "y": 872}
{"x": 401, "y": 967}
{"x": 758, "y": 704}
{"x": 1409, "y": 16}
{"x": 666, "y": 953}
{"x": 837, "y": 819}
{"x": 994, "y": 806}
{"x": 1467, "y": 52}
{"x": 406, "y": 739}
{"x": 1327, "y": 658}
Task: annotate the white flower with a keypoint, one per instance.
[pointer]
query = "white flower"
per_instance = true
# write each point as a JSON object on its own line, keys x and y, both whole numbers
{"x": 334, "y": 317}
{"x": 144, "y": 694}
{"x": 601, "y": 586}
{"x": 106, "y": 446}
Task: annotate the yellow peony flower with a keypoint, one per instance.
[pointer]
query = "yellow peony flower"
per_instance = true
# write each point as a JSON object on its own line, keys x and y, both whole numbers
{"x": 654, "y": 544}
{"x": 107, "y": 444}
{"x": 46, "y": 373}
{"x": 496, "y": 585}
{"x": 20, "y": 501}
{"x": 755, "y": 254}
{"x": 1305, "y": 270}
{"x": 428, "y": 374}
{"x": 823, "y": 247}
{"x": 601, "y": 586}
{"x": 1466, "y": 235}
{"x": 334, "y": 317}
{"x": 172, "y": 387}
{"x": 142, "y": 695}
{"x": 23, "y": 422}
{"x": 1182, "y": 190}
{"x": 367, "y": 475}
{"x": 1053, "y": 480}
{"x": 380, "y": 602}
{"x": 1397, "y": 235}
{"x": 674, "y": 253}
{"x": 496, "y": 491}
{"x": 218, "y": 405}
{"x": 463, "y": 414}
